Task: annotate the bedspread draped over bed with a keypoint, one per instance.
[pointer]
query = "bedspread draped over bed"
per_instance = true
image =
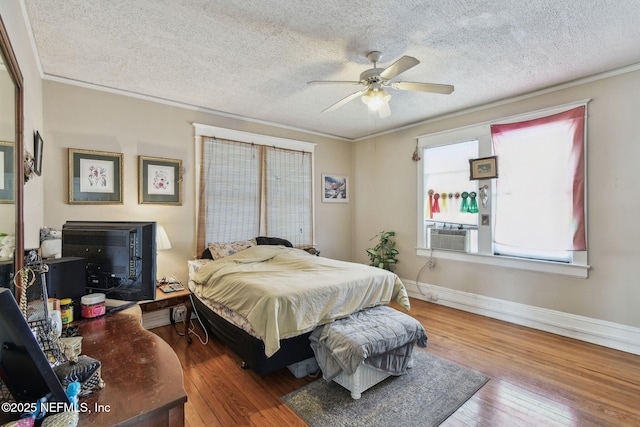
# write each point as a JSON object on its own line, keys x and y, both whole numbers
{"x": 284, "y": 292}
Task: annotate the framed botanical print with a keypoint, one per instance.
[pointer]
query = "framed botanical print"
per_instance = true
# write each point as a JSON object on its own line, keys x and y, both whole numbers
{"x": 159, "y": 181}
{"x": 95, "y": 177}
{"x": 7, "y": 176}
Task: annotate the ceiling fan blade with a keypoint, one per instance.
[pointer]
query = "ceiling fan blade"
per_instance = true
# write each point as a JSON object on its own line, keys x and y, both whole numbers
{"x": 343, "y": 101}
{"x": 333, "y": 82}
{"x": 400, "y": 66}
{"x": 423, "y": 87}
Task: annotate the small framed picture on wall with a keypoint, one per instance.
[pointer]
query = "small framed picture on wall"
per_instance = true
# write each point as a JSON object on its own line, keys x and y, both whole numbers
{"x": 38, "y": 146}
{"x": 7, "y": 188}
{"x": 335, "y": 188}
{"x": 484, "y": 168}
{"x": 95, "y": 177}
{"x": 160, "y": 181}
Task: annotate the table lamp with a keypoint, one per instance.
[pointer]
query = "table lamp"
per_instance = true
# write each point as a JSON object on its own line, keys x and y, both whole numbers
{"x": 162, "y": 240}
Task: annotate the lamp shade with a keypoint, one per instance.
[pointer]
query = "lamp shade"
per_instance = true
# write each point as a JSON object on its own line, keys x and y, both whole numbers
{"x": 162, "y": 240}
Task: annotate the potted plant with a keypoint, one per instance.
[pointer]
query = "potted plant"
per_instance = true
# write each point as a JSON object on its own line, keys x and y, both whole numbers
{"x": 383, "y": 255}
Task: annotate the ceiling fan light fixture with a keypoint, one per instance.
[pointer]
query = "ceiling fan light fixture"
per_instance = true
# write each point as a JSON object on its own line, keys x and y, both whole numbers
{"x": 375, "y": 98}
{"x": 374, "y": 79}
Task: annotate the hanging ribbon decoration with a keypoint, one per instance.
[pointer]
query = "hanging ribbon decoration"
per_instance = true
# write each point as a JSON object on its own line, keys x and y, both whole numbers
{"x": 416, "y": 155}
{"x": 457, "y": 199}
{"x": 436, "y": 207}
{"x": 473, "y": 203}
{"x": 430, "y": 207}
{"x": 443, "y": 196}
{"x": 465, "y": 204}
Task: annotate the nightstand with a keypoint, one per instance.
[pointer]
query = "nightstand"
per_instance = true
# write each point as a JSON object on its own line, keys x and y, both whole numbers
{"x": 171, "y": 300}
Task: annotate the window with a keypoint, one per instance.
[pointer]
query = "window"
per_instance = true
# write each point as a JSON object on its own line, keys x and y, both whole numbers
{"x": 534, "y": 217}
{"x": 446, "y": 180}
{"x": 253, "y": 185}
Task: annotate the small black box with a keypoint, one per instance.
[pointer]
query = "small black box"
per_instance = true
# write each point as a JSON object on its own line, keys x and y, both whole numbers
{"x": 67, "y": 278}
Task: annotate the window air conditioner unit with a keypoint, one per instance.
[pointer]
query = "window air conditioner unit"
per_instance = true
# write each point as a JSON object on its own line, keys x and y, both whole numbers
{"x": 450, "y": 240}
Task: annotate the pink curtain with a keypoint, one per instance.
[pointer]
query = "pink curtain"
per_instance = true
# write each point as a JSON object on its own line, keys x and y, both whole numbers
{"x": 500, "y": 134}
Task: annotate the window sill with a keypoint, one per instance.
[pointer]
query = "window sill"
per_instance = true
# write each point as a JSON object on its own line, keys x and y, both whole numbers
{"x": 571, "y": 270}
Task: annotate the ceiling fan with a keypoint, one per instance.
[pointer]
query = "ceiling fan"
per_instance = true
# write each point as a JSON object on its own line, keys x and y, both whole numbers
{"x": 377, "y": 79}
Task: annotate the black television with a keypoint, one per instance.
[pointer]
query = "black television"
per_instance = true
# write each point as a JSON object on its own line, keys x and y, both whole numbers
{"x": 24, "y": 367}
{"x": 120, "y": 256}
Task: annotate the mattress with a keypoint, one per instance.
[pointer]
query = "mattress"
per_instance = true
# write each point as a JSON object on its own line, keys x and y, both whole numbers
{"x": 225, "y": 312}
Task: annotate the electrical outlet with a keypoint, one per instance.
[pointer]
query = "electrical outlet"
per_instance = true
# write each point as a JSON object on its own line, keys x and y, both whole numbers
{"x": 179, "y": 313}
{"x": 432, "y": 297}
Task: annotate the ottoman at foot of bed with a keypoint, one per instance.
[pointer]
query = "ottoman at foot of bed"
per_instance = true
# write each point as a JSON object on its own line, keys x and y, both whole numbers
{"x": 362, "y": 379}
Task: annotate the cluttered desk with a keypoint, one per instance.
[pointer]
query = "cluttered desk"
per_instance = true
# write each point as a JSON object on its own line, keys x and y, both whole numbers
{"x": 142, "y": 374}
{"x": 141, "y": 380}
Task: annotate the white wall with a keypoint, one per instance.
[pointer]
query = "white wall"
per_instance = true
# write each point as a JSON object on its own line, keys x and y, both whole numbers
{"x": 78, "y": 117}
{"x": 386, "y": 193}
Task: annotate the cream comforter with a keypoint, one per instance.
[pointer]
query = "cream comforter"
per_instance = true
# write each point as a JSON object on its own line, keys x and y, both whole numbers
{"x": 284, "y": 292}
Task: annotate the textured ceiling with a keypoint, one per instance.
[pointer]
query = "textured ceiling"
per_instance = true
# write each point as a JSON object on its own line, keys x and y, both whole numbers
{"x": 253, "y": 59}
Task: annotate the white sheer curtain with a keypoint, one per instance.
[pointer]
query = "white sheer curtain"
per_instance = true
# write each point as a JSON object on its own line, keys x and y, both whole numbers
{"x": 539, "y": 202}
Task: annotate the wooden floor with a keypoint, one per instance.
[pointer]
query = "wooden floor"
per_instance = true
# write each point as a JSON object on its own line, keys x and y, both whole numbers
{"x": 537, "y": 379}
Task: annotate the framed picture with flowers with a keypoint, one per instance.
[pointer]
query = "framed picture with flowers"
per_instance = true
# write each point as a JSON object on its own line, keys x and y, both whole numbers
{"x": 7, "y": 164}
{"x": 160, "y": 181}
{"x": 95, "y": 177}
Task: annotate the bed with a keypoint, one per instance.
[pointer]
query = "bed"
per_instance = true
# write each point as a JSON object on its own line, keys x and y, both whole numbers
{"x": 264, "y": 300}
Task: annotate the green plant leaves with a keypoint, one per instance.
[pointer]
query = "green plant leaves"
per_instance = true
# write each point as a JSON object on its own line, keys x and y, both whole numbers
{"x": 383, "y": 255}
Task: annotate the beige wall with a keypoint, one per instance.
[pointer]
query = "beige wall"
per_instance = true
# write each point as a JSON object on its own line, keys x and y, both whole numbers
{"x": 13, "y": 19}
{"x": 77, "y": 117}
{"x": 386, "y": 193}
{"x": 383, "y": 180}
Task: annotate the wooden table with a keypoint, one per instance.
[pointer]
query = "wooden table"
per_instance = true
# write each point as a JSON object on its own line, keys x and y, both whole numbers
{"x": 171, "y": 300}
{"x": 142, "y": 374}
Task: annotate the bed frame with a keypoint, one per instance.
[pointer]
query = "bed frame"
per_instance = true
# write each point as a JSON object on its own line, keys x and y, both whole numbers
{"x": 251, "y": 349}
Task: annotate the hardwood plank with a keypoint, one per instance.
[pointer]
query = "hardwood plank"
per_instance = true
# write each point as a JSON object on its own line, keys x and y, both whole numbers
{"x": 224, "y": 394}
{"x": 537, "y": 378}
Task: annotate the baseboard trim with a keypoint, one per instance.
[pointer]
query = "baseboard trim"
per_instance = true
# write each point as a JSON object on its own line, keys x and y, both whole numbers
{"x": 608, "y": 334}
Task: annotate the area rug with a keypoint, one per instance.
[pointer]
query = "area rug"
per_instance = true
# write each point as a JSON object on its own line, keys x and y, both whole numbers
{"x": 432, "y": 390}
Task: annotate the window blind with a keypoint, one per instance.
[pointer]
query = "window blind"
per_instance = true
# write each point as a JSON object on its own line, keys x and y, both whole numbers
{"x": 288, "y": 195}
{"x": 540, "y": 193}
{"x": 248, "y": 190}
{"x": 231, "y": 193}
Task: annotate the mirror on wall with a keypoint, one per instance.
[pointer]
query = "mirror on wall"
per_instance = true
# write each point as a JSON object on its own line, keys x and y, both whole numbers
{"x": 11, "y": 149}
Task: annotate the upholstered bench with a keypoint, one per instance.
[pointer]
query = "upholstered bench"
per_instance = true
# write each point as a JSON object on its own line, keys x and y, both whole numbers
{"x": 363, "y": 349}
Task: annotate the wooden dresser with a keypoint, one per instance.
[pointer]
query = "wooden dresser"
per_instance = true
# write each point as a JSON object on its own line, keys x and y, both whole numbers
{"x": 142, "y": 374}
